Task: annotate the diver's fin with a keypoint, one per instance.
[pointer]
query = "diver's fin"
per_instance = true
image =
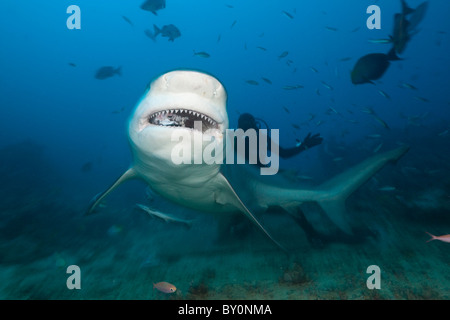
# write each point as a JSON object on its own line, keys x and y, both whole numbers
{"x": 332, "y": 194}
{"x": 129, "y": 174}
{"x": 392, "y": 55}
{"x": 405, "y": 9}
{"x": 245, "y": 210}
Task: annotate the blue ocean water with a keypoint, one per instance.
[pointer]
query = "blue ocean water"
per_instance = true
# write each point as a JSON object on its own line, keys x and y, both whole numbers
{"x": 64, "y": 139}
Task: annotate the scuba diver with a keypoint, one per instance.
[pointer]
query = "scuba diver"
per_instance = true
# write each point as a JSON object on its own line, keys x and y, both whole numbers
{"x": 247, "y": 121}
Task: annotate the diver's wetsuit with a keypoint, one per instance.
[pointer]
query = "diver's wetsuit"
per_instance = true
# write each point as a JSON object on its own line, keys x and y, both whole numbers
{"x": 247, "y": 121}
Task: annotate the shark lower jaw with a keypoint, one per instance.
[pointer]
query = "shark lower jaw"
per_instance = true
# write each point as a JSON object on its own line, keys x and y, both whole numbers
{"x": 184, "y": 118}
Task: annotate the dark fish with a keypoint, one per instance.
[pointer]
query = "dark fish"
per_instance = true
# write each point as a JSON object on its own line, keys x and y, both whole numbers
{"x": 266, "y": 80}
{"x": 153, "y": 6}
{"x": 229, "y": 6}
{"x": 128, "y": 20}
{"x": 86, "y": 167}
{"x": 72, "y": 64}
{"x": 202, "y": 54}
{"x": 331, "y": 28}
{"x": 286, "y": 109}
{"x": 107, "y": 72}
{"x": 261, "y": 48}
{"x": 372, "y": 67}
{"x": 288, "y": 14}
{"x": 284, "y": 54}
{"x": 232, "y": 25}
{"x": 167, "y": 31}
{"x": 118, "y": 111}
{"x": 345, "y": 59}
{"x": 252, "y": 82}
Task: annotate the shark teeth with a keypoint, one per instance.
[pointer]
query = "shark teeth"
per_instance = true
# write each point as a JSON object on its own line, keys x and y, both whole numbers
{"x": 182, "y": 118}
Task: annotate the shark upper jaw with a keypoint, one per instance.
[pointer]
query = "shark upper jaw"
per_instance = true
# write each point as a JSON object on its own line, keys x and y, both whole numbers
{"x": 184, "y": 118}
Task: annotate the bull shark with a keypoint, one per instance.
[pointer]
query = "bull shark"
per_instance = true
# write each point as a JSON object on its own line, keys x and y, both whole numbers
{"x": 172, "y": 104}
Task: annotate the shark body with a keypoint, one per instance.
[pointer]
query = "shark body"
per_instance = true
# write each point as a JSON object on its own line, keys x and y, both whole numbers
{"x": 172, "y": 104}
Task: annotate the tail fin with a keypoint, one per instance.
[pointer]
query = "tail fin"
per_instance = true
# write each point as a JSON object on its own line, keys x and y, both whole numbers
{"x": 157, "y": 30}
{"x": 433, "y": 237}
{"x": 332, "y": 194}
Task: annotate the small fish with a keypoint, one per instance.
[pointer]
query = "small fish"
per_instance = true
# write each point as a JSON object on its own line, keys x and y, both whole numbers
{"x": 380, "y": 121}
{"x": 295, "y": 126}
{"x": 384, "y": 94}
{"x": 165, "y": 287}
{"x": 72, "y": 64}
{"x": 443, "y": 133}
{"x": 153, "y": 6}
{"x": 288, "y": 14}
{"x": 107, "y": 72}
{"x": 314, "y": 70}
{"x": 164, "y": 216}
{"x": 345, "y": 59}
{"x": 373, "y": 136}
{"x": 337, "y": 159}
{"x": 286, "y": 109}
{"x": 87, "y": 167}
{"x": 118, "y": 111}
{"x": 356, "y": 29}
{"x": 303, "y": 177}
{"x": 298, "y": 86}
{"x": 421, "y": 99}
{"x": 318, "y": 92}
{"x": 407, "y": 86}
{"x": 326, "y": 85}
{"x": 377, "y": 148}
{"x": 261, "y": 48}
{"x": 380, "y": 40}
{"x": 333, "y": 110}
{"x": 229, "y": 6}
{"x": 202, "y": 54}
{"x": 387, "y": 188}
{"x": 368, "y": 110}
{"x": 128, "y": 20}
{"x": 219, "y": 37}
{"x": 233, "y": 24}
{"x": 114, "y": 230}
{"x": 252, "y": 82}
{"x": 266, "y": 80}
{"x": 318, "y": 123}
{"x": 282, "y": 55}
{"x": 331, "y": 28}
{"x": 444, "y": 238}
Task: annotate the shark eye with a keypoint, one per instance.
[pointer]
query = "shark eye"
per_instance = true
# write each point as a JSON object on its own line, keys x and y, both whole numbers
{"x": 182, "y": 118}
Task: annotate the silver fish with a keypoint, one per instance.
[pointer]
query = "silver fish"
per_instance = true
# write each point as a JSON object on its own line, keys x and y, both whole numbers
{"x": 164, "y": 216}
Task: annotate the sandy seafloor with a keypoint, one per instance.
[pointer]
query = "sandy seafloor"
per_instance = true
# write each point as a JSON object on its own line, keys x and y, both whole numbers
{"x": 121, "y": 251}
{"x": 114, "y": 267}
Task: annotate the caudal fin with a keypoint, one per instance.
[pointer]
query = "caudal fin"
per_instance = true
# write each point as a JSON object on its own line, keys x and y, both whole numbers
{"x": 433, "y": 237}
{"x": 157, "y": 30}
{"x": 332, "y": 194}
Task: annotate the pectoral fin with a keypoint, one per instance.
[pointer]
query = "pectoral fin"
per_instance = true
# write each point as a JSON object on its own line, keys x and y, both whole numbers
{"x": 129, "y": 174}
{"x": 222, "y": 198}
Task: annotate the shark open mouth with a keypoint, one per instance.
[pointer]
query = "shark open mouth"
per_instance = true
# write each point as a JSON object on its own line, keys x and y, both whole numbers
{"x": 182, "y": 118}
